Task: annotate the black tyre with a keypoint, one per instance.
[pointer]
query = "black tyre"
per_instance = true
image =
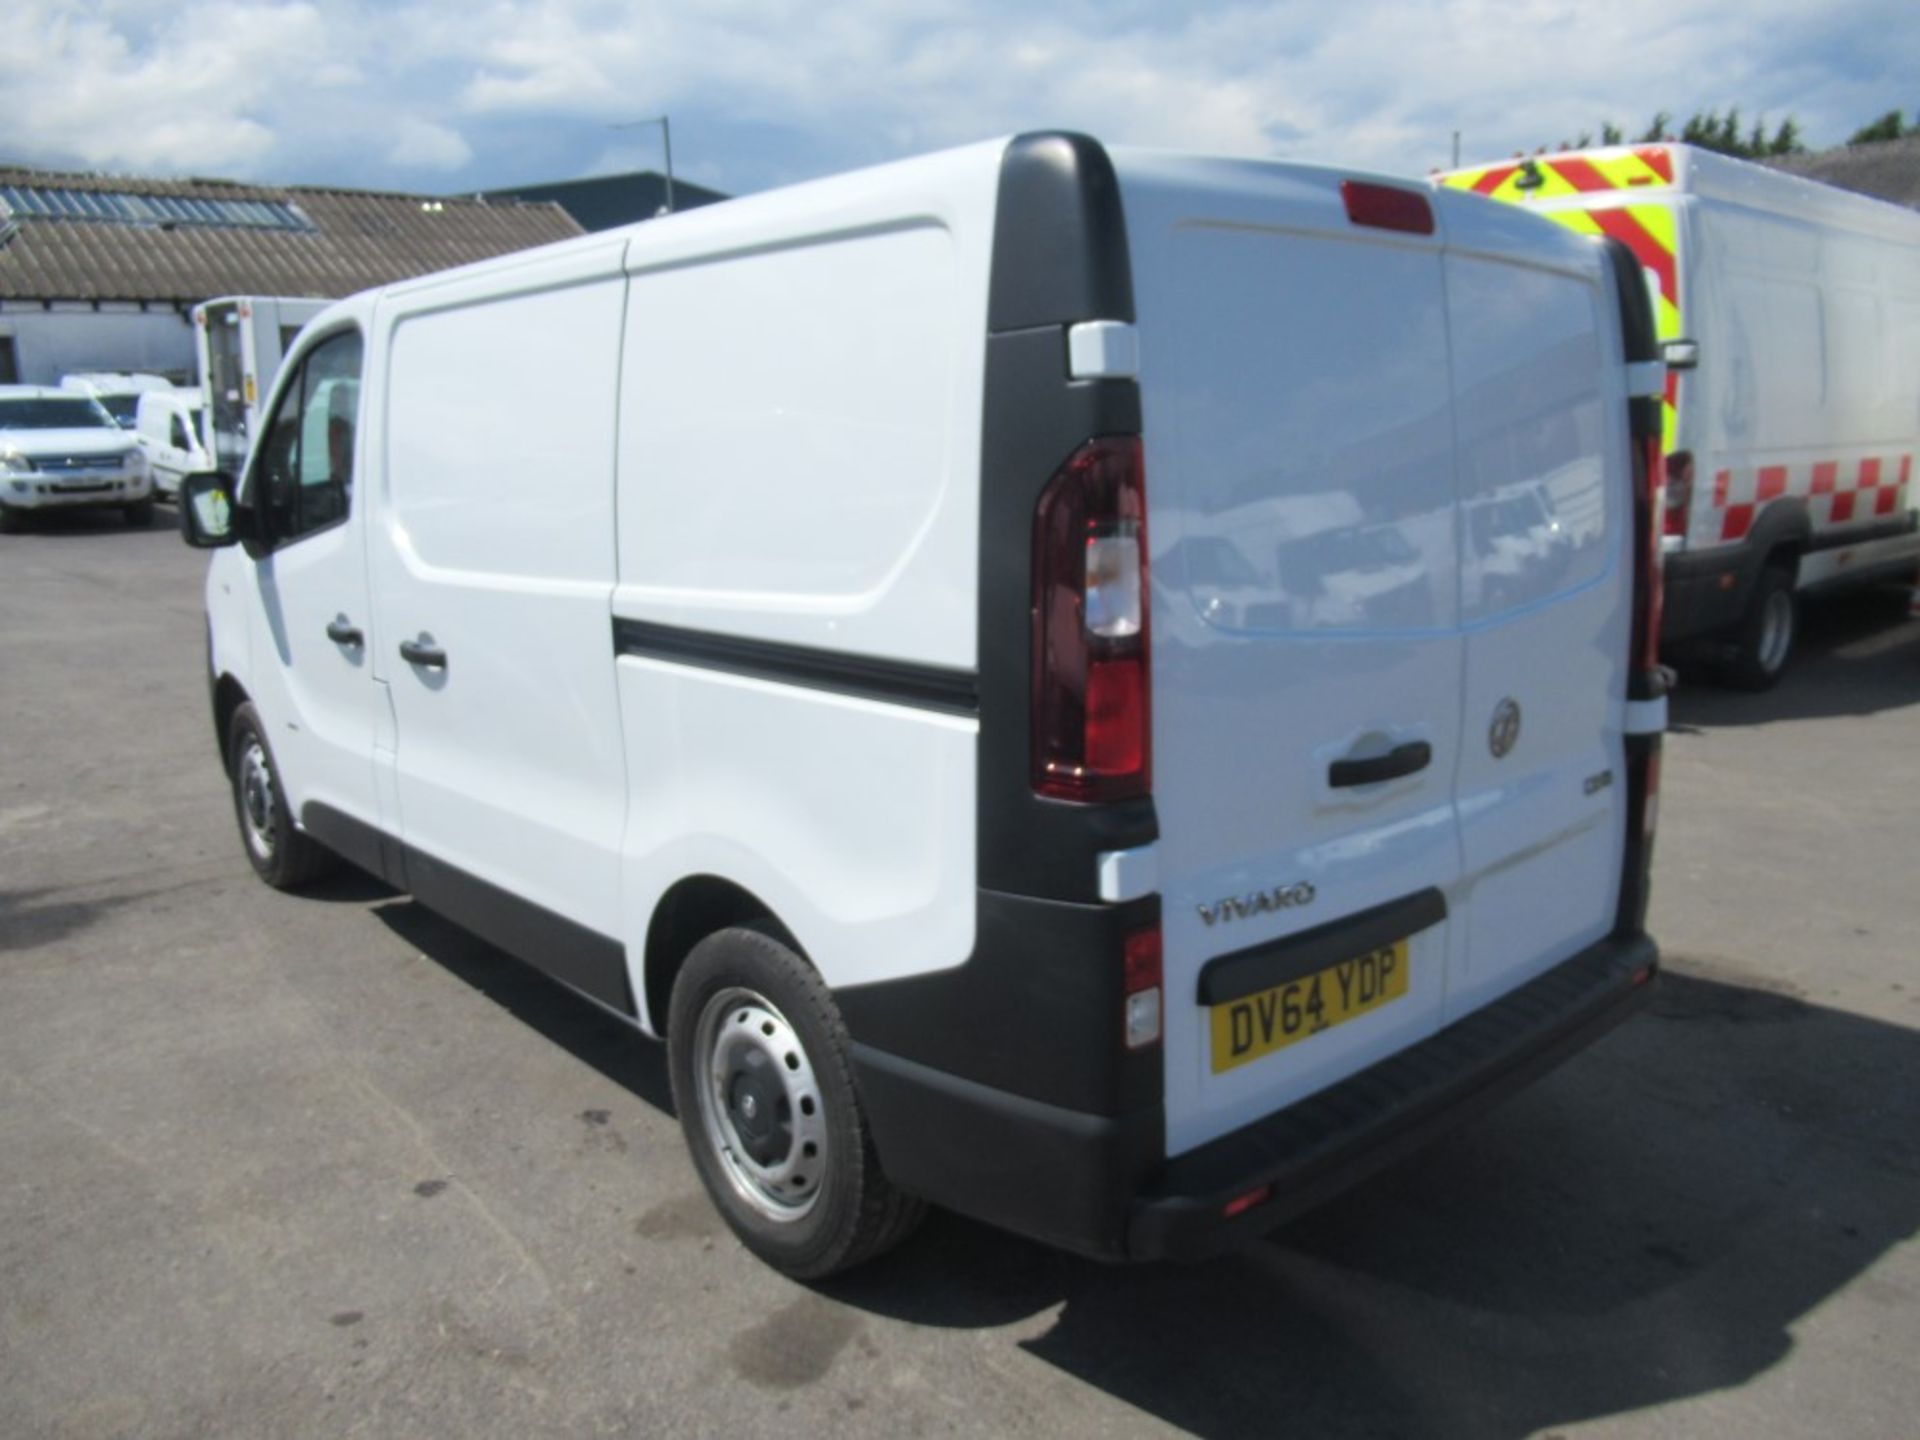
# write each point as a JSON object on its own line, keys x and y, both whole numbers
{"x": 758, "y": 1057}
{"x": 1763, "y": 641}
{"x": 282, "y": 856}
{"x": 12, "y": 522}
{"x": 140, "y": 513}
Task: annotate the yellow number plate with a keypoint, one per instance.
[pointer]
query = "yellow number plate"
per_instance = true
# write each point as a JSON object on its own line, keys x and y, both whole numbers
{"x": 1271, "y": 1020}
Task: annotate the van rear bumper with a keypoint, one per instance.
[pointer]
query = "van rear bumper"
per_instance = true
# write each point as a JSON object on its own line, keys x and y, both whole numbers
{"x": 1096, "y": 1184}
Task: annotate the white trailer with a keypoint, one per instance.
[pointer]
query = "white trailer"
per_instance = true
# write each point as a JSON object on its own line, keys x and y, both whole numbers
{"x": 239, "y": 341}
{"x": 1791, "y": 316}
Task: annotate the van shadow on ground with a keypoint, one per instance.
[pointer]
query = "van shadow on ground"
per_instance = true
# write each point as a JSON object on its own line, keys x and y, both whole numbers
{"x": 1646, "y": 1225}
{"x": 1856, "y": 655}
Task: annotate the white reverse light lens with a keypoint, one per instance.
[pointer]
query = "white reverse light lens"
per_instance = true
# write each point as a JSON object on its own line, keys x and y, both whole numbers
{"x": 1113, "y": 583}
{"x": 1143, "y": 1018}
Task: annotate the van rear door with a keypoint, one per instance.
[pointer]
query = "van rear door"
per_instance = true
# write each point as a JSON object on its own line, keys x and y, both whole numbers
{"x": 1546, "y": 486}
{"x": 1307, "y": 647}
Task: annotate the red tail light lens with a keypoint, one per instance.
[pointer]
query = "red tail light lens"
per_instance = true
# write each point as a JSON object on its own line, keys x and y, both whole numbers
{"x": 1679, "y": 491}
{"x": 1091, "y": 679}
{"x": 1387, "y": 207}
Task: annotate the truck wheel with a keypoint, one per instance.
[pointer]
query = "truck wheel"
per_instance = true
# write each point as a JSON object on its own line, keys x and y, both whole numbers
{"x": 281, "y": 855}
{"x": 758, "y": 1057}
{"x": 140, "y": 514}
{"x": 1763, "y": 642}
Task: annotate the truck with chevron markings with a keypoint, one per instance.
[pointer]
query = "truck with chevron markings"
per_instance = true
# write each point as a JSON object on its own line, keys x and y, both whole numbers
{"x": 1789, "y": 313}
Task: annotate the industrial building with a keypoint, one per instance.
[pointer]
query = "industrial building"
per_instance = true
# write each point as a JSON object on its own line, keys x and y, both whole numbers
{"x": 101, "y": 272}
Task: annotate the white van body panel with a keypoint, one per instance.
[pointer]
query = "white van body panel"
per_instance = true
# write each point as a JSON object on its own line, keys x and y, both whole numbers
{"x": 493, "y": 536}
{"x": 800, "y": 459}
{"x": 1326, "y": 401}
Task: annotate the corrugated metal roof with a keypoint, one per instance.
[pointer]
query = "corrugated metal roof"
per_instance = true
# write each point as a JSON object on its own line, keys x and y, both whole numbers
{"x": 359, "y": 239}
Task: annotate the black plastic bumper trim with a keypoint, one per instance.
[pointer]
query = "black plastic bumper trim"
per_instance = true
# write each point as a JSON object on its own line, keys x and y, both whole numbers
{"x": 1045, "y": 1171}
{"x": 1330, "y": 1141}
{"x": 1247, "y": 972}
{"x": 897, "y": 682}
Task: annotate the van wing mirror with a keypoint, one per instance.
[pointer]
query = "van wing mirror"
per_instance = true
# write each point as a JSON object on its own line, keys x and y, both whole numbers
{"x": 209, "y": 518}
{"x": 1681, "y": 354}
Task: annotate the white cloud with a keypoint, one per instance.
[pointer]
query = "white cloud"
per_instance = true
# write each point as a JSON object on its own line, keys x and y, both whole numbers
{"x": 423, "y": 145}
{"x": 361, "y": 90}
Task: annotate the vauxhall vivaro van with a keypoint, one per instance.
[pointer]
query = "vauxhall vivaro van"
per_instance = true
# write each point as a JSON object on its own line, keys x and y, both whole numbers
{"x": 989, "y": 658}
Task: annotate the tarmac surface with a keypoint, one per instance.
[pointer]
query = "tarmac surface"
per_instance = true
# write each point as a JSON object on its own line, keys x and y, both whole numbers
{"x": 278, "y": 1165}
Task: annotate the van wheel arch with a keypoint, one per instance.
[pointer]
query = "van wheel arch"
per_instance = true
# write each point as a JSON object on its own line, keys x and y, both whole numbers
{"x": 228, "y": 696}
{"x": 692, "y": 909}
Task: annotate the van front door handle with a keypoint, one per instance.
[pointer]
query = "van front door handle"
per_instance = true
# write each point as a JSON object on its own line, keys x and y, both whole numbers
{"x": 340, "y": 631}
{"x": 1402, "y": 760}
{"x": 424, "y": 653}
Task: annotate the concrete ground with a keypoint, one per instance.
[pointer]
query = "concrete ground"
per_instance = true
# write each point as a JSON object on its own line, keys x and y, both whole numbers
{"x": 326, "y": 1165}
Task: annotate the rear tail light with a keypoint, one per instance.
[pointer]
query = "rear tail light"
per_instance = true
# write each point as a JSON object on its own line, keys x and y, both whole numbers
{"x": 1679, "y": 491}
{"x": 1387, "y": 207}
{"x": 1143, "y": 987}
{"x": 1091, "y": 730}
{"x": 1240, "y": 1204}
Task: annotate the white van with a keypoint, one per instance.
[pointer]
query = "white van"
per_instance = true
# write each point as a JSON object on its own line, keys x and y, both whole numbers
{"x": 1790, "y": 312}
{"x": 781, "y": 624}
{"x": 118, "y": 394}
{"x": 169, "y": 424}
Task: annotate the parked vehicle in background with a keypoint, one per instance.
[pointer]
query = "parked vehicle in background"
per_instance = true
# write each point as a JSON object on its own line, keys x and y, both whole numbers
{"x": 61, "y": 450}
{"x": 169, "y": 424}
{"x": 239, "y": 341}
{"x": 118, "y": 394}
{"x": 1790, "y": 312}
{"x": 815, "y": 712}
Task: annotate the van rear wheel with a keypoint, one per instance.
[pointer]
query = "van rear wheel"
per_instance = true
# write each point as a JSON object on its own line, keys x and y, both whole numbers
{"x": 1763, "y": 641}
{"x": 758, "y": 1057}
{"x": 281, "y": 855}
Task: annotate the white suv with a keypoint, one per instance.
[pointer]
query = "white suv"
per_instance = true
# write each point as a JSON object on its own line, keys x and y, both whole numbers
{"x": 61, "y": 450}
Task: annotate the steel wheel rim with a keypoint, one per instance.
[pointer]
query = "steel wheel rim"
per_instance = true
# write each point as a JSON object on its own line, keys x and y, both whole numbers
{"x": 760, "y": 1105}
{"x": 1776, "y": 630}
{"x": 256, "y": 798}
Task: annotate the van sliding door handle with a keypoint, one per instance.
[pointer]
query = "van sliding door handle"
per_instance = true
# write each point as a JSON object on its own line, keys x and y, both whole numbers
{"x": 341, "y": 632}
{"x": 424, "y": 653}
{"x": 1404, "y": 759}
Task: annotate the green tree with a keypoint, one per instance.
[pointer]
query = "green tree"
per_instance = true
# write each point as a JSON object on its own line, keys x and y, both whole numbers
{"x": 1890, "y": 126}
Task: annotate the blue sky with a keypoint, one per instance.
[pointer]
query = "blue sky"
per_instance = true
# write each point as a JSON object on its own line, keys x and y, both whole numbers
{"x": 459, "y": 95}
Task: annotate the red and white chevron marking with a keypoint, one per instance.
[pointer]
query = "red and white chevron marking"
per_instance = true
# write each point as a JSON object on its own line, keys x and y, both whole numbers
{"x": 1836, "y": 493}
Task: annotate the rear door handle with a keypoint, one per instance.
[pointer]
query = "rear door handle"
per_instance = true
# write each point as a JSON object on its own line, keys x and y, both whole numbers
{"x": 424, "y": 653}
{"x": 341, "y": 631}
{"x": 1406, "y": 759}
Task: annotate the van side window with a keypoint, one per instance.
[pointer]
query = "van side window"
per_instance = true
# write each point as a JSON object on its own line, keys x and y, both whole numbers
{"x": 178, "y": 435}
{"x": 303, "y": 474}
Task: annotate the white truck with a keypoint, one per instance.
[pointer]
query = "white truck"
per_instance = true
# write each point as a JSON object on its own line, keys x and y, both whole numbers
{"x": 818, "y": 664}
{"x": 1790, "y": 315}
{"x": 240, "y": 341}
